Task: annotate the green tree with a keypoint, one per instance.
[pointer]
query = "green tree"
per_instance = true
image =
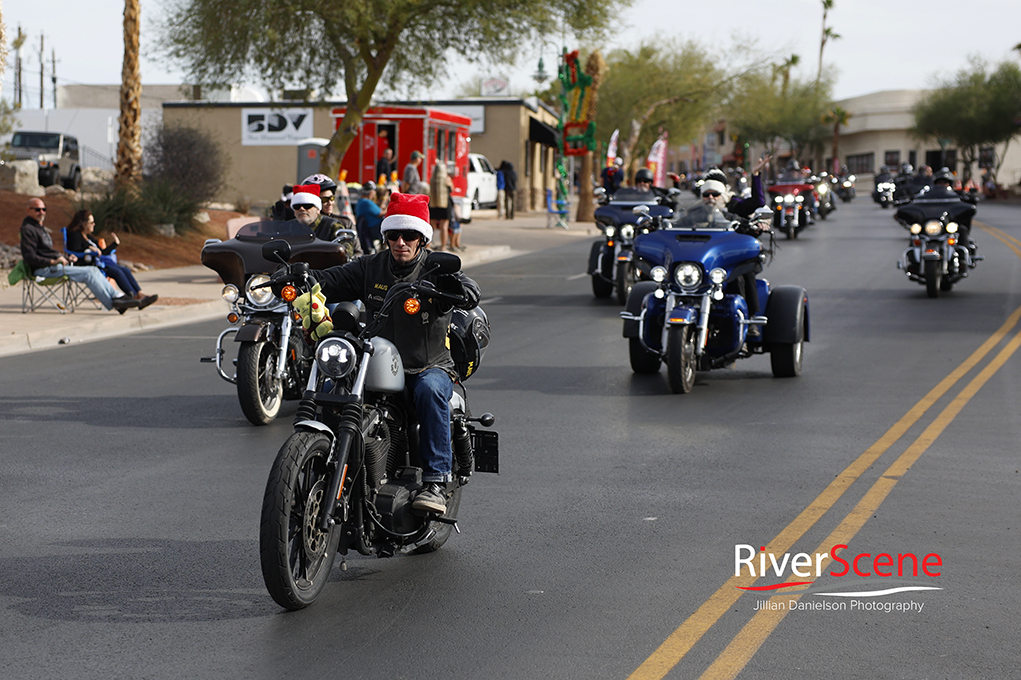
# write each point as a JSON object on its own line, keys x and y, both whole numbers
{"x": 837, "y": 117}
{"x": 360, "y": 44}
{"x": 974, "y": 109}
{"x": 661, "y": 86}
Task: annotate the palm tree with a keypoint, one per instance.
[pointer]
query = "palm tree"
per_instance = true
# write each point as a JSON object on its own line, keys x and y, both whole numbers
{"x": 827, "y": 35}
{"x": 837, "y": 117}
{"x": 785, "y": 70}
{"x": 129, "y": 145}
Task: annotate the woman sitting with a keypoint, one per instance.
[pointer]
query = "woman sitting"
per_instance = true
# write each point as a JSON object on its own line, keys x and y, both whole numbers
{"x": 80, "y": 240}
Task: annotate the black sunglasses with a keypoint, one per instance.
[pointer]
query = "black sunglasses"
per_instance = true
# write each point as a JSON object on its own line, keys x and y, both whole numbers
{"x": 408, "y": 235}
{"x": 303, "y": 206}
{"x": 39, "y": 209}
{"x": 713, "y": 194}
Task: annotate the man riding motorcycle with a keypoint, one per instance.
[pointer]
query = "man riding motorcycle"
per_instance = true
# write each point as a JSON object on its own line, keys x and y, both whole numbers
{"x": 644, "y": 183}
{"x": 307, "y": 206}
{"x": 418, "y": 330}
{"x": 793, "y": 174}
{"x": 942, "y": 186}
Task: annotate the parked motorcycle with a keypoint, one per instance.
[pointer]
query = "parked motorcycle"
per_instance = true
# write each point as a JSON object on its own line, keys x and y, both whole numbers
{"x": 940, "y": 250}
{"x": 791, "y": 214}
{"x": 611, "y": 258}
{"x": 272, "y": 361}
{"x": 692, "y": 315}
{"x": 346, "y": 478}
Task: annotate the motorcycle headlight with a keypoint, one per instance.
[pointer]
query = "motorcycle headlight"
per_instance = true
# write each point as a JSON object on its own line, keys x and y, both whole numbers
{"x": 688, "y": 275}
{"x": 260, "y": 297}
{"x": 778, "y": 199}
{"x": 627, "y": 231}
{"x": 230, "y": 293}
{"x": 851, "y": 178}
{"x": 823, "y": 188}
{"x": 916, "y": 228}
{"x": 847, "y": 184}
{"x": 799, "y": 199}
{"x": 610, "y": 232}
{"x": 718, "y": 275}
{"x": 335, "y": 357}
{"x": 952, "y": 227}
{"x": 933, "y": 227}
{"x": 788, "y": 198}
{"x": 658, "y": 274}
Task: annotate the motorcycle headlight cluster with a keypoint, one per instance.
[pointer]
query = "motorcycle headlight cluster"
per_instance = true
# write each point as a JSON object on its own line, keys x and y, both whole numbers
{"x": 847, "y": 184}
{"x": 885, "y": 186}
{"x": 823, "y": 188}
{"x": 952, "y": 227}
{"x": 610, "y": 231}
{"x": 915, "y": 228}
{"x": 260, "y": 297}
{"x": 230, "y": 293}
{"x": 933, "y": 227}
{"x": 627, "y": 231}
{"x": 688, "y": 275}
{"x": 658, "y": 274}
{"x": 335, "y": 357}
{"x": 718, "y": 275}
{"x": 778, "y": 199}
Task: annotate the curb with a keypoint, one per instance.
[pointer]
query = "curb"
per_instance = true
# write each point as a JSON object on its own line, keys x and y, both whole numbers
{"x": 101, "y": 328}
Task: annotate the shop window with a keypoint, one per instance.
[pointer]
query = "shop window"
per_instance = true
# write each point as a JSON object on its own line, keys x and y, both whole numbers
{"x": 861, "y": 163}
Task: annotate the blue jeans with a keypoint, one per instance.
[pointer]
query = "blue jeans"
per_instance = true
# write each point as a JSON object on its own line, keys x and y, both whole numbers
{"x": 124, "y": 278}
{"x": 92, "y": 277}
{"x": 431, "y": 391}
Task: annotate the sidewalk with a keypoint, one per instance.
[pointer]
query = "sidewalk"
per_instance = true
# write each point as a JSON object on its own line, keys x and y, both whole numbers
{"x": 192, "y": 294}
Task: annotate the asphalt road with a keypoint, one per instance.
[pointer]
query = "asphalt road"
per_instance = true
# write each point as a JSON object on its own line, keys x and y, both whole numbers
{"x": 132, "y": 484}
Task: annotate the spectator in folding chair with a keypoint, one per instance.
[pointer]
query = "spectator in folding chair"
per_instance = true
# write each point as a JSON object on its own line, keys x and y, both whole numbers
{"x": 42, "y": 260}
{"x": 80, "y": 243}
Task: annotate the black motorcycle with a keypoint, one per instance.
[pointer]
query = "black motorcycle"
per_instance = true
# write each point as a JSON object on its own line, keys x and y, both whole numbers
{"x": 611, "y": 259}
{"x": 272, "y": 361}
{"x": 882, "y": 193}
{"x": 941, "y": 251}
{"x": 845, "y": 188}
{"x": 346, "y": 478}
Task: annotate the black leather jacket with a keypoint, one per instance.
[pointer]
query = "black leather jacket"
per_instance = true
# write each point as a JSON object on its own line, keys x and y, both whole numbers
{"x": 421, "y": 338}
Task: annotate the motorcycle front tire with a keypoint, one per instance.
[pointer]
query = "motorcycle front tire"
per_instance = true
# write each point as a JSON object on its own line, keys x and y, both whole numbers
{"x": 933, "y": 278}
{"x": 625, "y": 281}
{"x": 601, "y": 288}
{"x": 259, "y": 390}
{"x": 680, "y": 359}
{"x": 296, "y": 556}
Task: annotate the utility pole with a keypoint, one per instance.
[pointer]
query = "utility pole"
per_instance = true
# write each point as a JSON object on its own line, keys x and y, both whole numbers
{"x": 42, "y": 70}
{"x": 53, "y": 75}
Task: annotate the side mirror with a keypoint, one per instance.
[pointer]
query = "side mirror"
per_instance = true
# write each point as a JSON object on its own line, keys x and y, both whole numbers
{"x": 276, "y": 250}
{"x": 640, "y": 210}
{"x": 599, "y": 192}
{"x": 445, "y": 263}
{"x": 673, "y": 192}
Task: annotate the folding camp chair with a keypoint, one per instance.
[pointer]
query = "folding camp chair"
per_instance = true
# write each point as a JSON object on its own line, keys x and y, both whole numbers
{"x": 78, "y": 293}
{"x": 556, "y": 211}
{"x": 38, "y": 291}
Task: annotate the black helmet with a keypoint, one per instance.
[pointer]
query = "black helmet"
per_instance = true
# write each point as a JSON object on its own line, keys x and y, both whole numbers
{"x": 469, "y": 337}
{"x": 907, "y": 168}
{"x": 944, "y": 175}
{"x": 883, "y": 169}
{"x": 324, "y": 182}
{"x": 643, "y": 175}
{"x": 716, "y": 174}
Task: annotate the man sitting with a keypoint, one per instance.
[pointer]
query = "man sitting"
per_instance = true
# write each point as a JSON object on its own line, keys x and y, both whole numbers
{"x": 38, "y": 253}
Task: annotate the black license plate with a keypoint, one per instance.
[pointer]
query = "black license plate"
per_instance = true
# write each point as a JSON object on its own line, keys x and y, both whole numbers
{"x": 487, "y": 451}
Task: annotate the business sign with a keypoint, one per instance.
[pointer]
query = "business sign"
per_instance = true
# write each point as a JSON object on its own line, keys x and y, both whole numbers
{"x": 477, "y": 113}
{"x": 275, "y": 127}
{"x": 495, "y": 87}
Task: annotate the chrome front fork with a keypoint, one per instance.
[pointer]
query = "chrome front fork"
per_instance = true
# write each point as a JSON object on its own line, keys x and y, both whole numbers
{"x": 285, "y": 344}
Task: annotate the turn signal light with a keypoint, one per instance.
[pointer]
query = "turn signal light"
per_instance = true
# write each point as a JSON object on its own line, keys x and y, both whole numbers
{"x": 412, "y": 305}
{"x": 232, "y": 318}
{"x": 289, "y": 293}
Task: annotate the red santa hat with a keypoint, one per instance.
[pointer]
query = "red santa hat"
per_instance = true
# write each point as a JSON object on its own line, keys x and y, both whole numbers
{"x": 307, "y": 194}
{"x": 408, "y": 211}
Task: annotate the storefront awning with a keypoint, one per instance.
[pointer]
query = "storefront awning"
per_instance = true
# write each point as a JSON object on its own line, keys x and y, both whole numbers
{"x": 539, "y": 132}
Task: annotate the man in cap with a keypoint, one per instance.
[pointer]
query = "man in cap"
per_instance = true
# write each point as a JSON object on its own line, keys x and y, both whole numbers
{"x": 421, "y": 337}
{"x": 411, "y": 181}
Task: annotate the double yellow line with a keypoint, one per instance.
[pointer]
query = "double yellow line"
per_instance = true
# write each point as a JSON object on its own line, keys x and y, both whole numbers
{"x": 748, "y": 640}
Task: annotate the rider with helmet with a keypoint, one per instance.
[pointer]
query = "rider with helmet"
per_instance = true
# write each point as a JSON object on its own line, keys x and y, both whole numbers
{"x": 942, "y": 187}
{"x": 324, "y": 225}
{"x": 793, "y": 174}
{"x": 644, "y": 183}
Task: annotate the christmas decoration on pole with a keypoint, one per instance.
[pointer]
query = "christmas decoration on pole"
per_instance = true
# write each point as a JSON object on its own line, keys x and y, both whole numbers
{"x": 578, "y": 127}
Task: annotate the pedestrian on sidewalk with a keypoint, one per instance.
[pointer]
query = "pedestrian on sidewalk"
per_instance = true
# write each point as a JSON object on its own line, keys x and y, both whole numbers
{"x": 411, "y": 182}
{"x": 80, "y": 240}
{"x": 439, "y": 202}
{"x": 38, "y": 253}
{"x": 510, "y": 187}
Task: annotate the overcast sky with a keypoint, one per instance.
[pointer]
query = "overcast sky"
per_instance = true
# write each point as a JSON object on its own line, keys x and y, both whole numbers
{"x": 885, "y": 44}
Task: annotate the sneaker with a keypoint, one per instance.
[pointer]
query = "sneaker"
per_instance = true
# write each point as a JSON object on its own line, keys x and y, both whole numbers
{"x": 754, "y": 333}
{"x": 431, "y": 499}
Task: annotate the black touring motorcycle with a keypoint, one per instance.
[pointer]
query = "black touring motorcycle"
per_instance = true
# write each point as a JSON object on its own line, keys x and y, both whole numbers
{"x": 346, "y": 478}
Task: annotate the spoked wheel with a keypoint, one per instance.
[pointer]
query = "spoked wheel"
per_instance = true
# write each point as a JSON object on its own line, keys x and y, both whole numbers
{"x": 259, "y": 390}
{"x": 680, "y": 359}
{"x": 625, "y": 281}
{"x": 296, "y": 556}
{"x": 933, "y": 278}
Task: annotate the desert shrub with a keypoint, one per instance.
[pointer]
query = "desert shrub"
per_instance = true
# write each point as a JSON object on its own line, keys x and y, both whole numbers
{"x": 187, "y": 159}
{"x": 157, "y": 202}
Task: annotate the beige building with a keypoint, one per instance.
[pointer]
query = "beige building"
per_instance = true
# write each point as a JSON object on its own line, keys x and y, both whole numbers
{"x": 264, "y": 154}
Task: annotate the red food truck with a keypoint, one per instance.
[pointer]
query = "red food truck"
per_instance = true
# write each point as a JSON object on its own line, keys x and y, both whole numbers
{"x": 436, "y": 133}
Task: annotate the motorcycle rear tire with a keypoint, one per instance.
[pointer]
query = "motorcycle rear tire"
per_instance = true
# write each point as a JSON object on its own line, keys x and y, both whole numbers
{"x": 933, "y": 278}
{"x": 625, "y": 281}
{"x": 642, "y": 360}
{"x": 296, "y": 556}
{"x": 785, "y": 358}
{"x": 260, "y": 392}
{"x": 680, "y": 359}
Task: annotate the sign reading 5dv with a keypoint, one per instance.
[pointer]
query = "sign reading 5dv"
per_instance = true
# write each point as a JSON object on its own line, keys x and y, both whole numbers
{"x": 275, "y": 127}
